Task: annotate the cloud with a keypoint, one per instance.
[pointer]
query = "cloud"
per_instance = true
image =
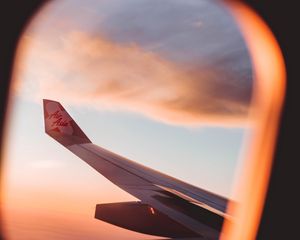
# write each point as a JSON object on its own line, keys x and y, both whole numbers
{"x": 85, "y": 69}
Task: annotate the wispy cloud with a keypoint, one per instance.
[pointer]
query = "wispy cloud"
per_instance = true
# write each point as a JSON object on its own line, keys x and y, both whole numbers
{"x": 86, "y": 69}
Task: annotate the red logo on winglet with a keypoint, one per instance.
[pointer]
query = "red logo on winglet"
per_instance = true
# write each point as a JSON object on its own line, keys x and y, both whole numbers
{"x": 58, "y": 119}
{"x": 59, "y": 122}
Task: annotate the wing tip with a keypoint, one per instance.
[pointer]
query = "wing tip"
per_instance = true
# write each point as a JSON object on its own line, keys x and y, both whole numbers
{"x": 60, "y": 125}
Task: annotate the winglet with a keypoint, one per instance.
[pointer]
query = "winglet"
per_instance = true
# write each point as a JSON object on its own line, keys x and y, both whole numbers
{"x": 60, "y": 125}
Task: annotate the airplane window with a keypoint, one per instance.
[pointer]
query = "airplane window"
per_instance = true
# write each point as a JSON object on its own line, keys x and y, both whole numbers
{"x": 167, "y": 90}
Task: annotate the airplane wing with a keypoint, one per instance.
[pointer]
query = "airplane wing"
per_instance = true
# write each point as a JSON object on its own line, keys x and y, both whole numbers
{"x": 168, "y": 207}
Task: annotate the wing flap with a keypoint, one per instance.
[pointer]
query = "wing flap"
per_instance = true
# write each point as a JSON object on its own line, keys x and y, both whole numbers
{"x": 142, "y": 218}
{"x": 141, "y": 187}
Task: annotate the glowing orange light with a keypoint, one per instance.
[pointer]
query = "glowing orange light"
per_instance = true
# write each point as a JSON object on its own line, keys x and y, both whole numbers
{"x": 269, "y": 88}
{"x": 152, "y": 210}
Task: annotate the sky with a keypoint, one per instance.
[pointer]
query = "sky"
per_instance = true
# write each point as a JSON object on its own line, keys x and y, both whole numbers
{"x": 165, "y": 83}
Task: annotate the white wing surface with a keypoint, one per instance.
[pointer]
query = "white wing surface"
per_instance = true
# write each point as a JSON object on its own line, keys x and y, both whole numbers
{"x": 168, "y": 207}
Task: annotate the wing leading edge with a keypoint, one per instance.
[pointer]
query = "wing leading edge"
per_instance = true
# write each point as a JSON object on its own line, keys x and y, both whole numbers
{"x": 192, "y": 211}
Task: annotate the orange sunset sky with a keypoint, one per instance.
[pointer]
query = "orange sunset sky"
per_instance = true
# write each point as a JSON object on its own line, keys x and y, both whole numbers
{"x": 164, "y": 83}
